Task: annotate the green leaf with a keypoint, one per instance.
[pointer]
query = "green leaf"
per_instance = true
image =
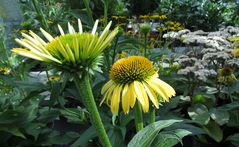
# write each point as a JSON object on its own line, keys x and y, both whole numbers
{"x": 234, "y": 139}
{"x": 34, "y": 129}
{"x": 199, "y": 113}
{"x": 61, "y": 139}
{"x": 214, "y": 131}
{"x": 13, "y": 130}
{"x": 74, "y": 115}
{"x": 234, "y": 119}
{"x": 231, "y": 106}
{"x": 145, "y": 137}
{"x": 221, "y": 116}
{"x": 234, "y": 87}
{"x": 170, "y": 138}
{"x": 89, "y": 134}
{"x": 48, "y": 115}
{"x": 116, "y": 137}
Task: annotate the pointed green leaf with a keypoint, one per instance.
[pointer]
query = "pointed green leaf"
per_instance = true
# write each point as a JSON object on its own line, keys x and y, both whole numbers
{"x": 146, "y": 136}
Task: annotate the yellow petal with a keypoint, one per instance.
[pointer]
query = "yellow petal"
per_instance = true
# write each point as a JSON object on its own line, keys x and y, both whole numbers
{"x": 157, "y": 89}
{"x": 37, "y": 38}
{"x": 116, "y": 99}
{"x": 108, "y": 93}
{"x": 61, "y": 30}
{"x": 141, "y": 95}
{"x": 95, "y": 27}
{"x": 126, "y": 99}
{"x": 151, "y": 95}
{"x": 26, "y": 53}
{"x": 71, "y": 29}
{"x": 80, "y": 26}
{"x": 168, "y": 90}
{"x": 167, "y": 86}
{"x": 132, "y": 95}
{"x": 107, "y": 86}
{"x": 47, "y": 35}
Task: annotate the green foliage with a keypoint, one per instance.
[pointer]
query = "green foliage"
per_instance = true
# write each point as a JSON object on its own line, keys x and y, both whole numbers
{"x": 207, "y": 15}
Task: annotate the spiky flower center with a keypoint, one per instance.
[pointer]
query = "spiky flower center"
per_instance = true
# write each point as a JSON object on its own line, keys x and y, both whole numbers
{"x": 133, "y": 68}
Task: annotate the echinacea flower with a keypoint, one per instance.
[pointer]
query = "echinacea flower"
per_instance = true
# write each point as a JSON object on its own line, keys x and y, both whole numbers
{"x": 134, "y": 79}
{"x": 75, "y": 50}
{"x": 54, "y": 78}
{"x": 5, "y": 70}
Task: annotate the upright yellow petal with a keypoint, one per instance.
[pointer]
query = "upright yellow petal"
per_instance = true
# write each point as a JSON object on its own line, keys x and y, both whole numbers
{"x": 95, "y": 27}
{"x": 61, "y": 30}
{"x": 46, "y": 34}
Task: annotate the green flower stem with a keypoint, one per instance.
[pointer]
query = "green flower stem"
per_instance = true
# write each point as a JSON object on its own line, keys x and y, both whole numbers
{"x": 114, "y": 51}
{"x": 106, "y": 6}
{"x": 138, "y": 117}
{"x": 145, "y": 45}
{"x": 151, "y": 115}
{"x": 88, "y": 11}
{"x": 85, "y": 91}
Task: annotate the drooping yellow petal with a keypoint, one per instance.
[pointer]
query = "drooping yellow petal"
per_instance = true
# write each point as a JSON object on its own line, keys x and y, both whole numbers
{"x": 126, "y": 99}
{"x": 141, "y": 95}
{"x": 108, "y": 93}
{"x": 116, "y": 99}
{"x": 155, "y": 87}
{"x": 107, "y": 86}
{"x": 169, "y": 90}
{"x": 132, "y": 95}
{"x": 151, "y": 95}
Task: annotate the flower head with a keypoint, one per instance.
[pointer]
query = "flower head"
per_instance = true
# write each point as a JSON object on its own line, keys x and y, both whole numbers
{"x": 5, "y": 70}
{"x": 54, "y": 78}
{"x": 134, "y": 78}
{"x": 73, "y": 50}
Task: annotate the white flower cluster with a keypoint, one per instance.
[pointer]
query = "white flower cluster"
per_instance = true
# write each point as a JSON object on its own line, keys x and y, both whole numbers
{"x": 204, "y": 52}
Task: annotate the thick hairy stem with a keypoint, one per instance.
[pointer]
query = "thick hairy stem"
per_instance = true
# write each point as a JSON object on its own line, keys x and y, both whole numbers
{"x": 85, "y": 91}
{"x": 152, "y": 115}
{"x": 138, "y": 117}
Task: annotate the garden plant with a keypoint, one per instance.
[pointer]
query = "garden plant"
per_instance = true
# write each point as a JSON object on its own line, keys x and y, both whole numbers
{"x": 117, "y": 73}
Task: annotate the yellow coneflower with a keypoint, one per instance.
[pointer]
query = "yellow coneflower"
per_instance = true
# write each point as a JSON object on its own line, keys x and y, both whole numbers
{"x": 134, "y": 79}
{"x": 54, "y": 78}
{"x": 235, "y": 52}
{"x": 5, "y": 70}
{"x": 121, "y": 54}
{"x": 226, "y": 75}
{"x": 75, "y": 50}
{"x": 163, "y": 17}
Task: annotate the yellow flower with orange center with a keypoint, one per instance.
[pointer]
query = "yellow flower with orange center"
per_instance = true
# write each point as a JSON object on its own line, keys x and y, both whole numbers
{"x": 134, "y": 79}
